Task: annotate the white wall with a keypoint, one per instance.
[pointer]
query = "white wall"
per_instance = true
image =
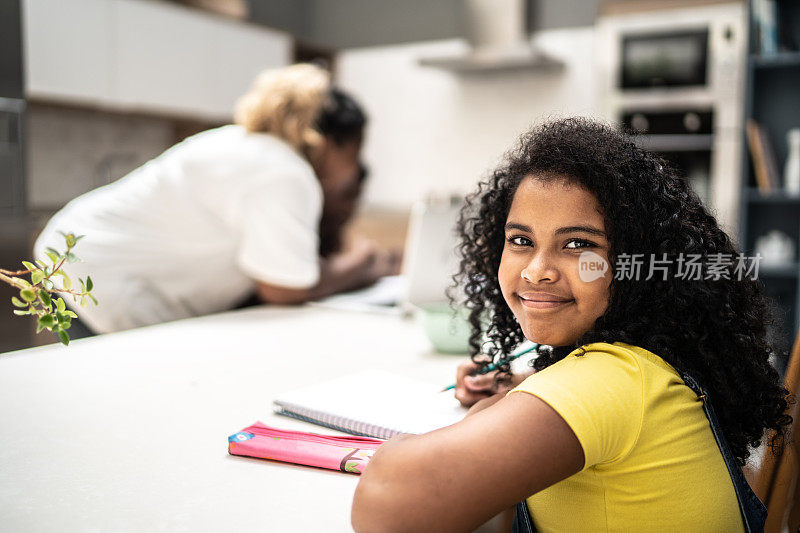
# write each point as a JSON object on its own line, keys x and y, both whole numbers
{"x": 435, "y": 131}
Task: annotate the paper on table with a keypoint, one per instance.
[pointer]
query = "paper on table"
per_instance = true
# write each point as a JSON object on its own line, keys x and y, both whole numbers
{"x": 384, "y": 297}
{"x": 373, "y": 403}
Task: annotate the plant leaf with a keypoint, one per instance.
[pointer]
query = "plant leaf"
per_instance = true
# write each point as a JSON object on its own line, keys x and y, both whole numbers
{"x": 20, "y": 313}
{"x": 53, "y": 256}
{"x": 19, "y": 303}
{"x": 93, "y": 298}
{"x": 60, "y": 305}
{"x": 27, "y": 294}
{"x": 72, "y": 258}
{"x": 45, "y": 296}
{"x": 89, "y": 283}
{"x": 48, "y": 321}
{"x": 70, "y": 314}
{"x": 63, "y": 337}
{"x": 37, "y": 276}
{"x": 47, "y": 284}
{"x": 70, "y": 237}
{"x": 29, "y": 265}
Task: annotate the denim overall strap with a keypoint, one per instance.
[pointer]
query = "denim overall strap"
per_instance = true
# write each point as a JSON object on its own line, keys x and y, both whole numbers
{"x": 523, "y": 523}
{"x": 754, "y": 513}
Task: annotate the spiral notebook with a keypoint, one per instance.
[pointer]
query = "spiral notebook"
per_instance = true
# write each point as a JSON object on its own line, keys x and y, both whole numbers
{"x": 373, "y": 403}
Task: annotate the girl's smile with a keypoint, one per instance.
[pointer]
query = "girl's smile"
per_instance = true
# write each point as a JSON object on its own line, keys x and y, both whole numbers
{"x": 543, "y": 300}
{"x": 550, "y": 225}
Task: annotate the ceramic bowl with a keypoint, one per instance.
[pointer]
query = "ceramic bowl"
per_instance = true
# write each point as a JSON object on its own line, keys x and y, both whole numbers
{"x": 447, "y": 328}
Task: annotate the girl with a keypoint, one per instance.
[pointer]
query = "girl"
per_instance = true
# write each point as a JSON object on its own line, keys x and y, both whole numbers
{"x": 605, "y": 436}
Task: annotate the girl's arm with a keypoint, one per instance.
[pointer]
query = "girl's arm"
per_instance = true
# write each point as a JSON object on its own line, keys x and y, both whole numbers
{"x": 458, "y": 477}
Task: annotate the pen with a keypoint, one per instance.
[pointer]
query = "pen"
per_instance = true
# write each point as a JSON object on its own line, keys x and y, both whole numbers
{"x": 492, "y": 367}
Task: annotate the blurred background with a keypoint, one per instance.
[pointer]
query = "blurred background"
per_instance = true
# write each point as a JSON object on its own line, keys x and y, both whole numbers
{"x": 91, "y": 89}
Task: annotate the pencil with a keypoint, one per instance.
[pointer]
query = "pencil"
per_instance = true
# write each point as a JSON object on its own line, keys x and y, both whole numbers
{"x": 492, "y": 367}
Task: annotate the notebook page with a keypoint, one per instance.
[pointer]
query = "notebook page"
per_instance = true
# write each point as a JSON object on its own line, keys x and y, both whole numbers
{"x": 378, "y": 399}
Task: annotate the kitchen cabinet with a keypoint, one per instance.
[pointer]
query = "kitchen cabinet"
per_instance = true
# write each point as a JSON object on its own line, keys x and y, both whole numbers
{"x": 67, "y": 49}
{"x": 144, "y": 56}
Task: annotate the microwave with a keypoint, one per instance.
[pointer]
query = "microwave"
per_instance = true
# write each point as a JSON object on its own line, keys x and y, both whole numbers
{"x": 664, "y": 59}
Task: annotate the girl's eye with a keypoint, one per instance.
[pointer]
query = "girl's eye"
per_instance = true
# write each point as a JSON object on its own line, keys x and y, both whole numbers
{"x": 519, "y": 241}
{"x": 580, "y": 243}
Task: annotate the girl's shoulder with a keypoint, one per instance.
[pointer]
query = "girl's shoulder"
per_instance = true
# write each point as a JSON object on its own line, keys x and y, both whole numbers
{"x": 620, "y": 353}
{"x": 627, "y": 372}
{"x": 610, "y": 394}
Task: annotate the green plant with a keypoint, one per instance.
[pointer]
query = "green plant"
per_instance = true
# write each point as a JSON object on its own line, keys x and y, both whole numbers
{"x": 35, "y": 296}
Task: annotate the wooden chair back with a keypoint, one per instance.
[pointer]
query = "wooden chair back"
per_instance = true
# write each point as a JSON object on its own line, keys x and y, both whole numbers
{"x": 777, "y": 480}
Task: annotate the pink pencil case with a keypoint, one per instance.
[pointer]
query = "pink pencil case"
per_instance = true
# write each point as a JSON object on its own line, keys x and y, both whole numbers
{"x": 345, "y": 453}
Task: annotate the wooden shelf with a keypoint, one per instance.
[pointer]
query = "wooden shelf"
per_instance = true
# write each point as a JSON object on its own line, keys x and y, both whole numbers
{"x": 789, "y": 270}
{"x": 755, "y": 196}
{"x": 781, "y": 60}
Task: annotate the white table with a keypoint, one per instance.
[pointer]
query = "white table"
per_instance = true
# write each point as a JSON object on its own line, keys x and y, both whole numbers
{"x": 128, "y": 431}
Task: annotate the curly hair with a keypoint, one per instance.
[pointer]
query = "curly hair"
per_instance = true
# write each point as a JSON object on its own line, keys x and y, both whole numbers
{"x": 713, "y": 329}
{"x": 286, "y": 102}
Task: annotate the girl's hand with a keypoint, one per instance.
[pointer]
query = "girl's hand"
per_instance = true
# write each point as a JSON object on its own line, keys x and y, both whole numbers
{"x": 472, "y": 389}
{"x": 483, "y": 404}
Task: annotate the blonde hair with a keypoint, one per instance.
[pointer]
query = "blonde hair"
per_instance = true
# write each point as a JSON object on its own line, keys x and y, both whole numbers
{"x": 286, "y": 103}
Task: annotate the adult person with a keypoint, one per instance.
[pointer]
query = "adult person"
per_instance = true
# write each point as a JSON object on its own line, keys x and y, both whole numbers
{"x": 258, "y": 205}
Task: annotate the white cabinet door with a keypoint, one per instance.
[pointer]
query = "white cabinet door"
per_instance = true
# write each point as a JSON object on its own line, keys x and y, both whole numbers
{"x": 177, "y": 60}
{"x": 67, "y": 50}
{"x": 239, "y": 53}
{"x": 162, "y": 57}
{"x": 139, "y": 55}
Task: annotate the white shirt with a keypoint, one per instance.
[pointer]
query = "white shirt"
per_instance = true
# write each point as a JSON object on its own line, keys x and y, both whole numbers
{"x": 189, "y": 232}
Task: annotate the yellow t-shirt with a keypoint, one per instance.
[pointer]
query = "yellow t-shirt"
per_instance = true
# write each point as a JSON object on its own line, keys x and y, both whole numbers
{"x": 652, "y": 463}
